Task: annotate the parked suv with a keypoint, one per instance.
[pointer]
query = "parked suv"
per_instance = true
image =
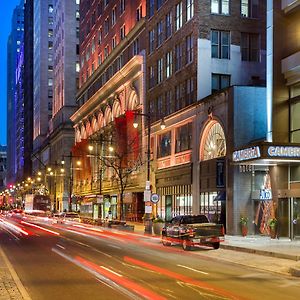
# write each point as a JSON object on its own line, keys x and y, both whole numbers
{"x": 190, "y": 230}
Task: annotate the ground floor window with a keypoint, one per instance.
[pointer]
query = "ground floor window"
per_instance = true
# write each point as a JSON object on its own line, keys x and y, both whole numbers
{"x": 209, "y": 206}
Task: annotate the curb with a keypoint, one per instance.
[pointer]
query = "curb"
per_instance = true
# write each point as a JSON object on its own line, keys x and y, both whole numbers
{"x": 295, "y": 271}
{"x": 261, "y": 252}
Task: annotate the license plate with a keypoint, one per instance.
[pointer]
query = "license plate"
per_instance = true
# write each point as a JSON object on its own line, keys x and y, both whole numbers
{"x": 196, "y": 241}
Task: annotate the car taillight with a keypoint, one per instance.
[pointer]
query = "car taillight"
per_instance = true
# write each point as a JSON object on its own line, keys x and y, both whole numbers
{"x": 191, "y": 232}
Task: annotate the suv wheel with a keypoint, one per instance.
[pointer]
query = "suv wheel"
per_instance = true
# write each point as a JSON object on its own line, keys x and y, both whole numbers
{"x": 186, "y": 245}
{"x": 165, "y": 241}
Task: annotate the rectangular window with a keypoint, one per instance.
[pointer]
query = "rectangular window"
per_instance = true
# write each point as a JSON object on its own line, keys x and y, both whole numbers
{"x": 139, "y": 13}
{"x": 100, "y": 8}
{"x": 183, "y": 140}
{"x": 113, "y": 42}
{"x": 168, "y": 24}
{"x": 113, "y": 16}
{"x": 169, "y": 64}
{"x": 220, "y": 44}
{"x": 250, "y": 46}
{"x": 135, "y": 47}
{"x": 160, "y": 70}
{"x": 190, "y": 94}
{"x": 160, "y": 112}
{"x": 219, "y": 81}
{"x": 151, "y": 40}
{"x": 151, "y": 8}
{"x": 189, "y": 49}
{"x": 189, "y": 9}
{"x": 220, "y": 7}
{"x": 168, "y": 102}
{"x": 164, "y": 144}
{"x": 151, "y": 77}
{"x": 179, "y": 100}
{"x": 100, "y": 36}
{"x": 178, "y": 57}
{"x": 100, "y": 60}
{"x": 122, "y": 6}
{"x": 178, "y": 15}
{"x": 159, "y": 3}
{"x": 122, "y": 32}
{"x": 159, "y": 31}
{"x": 249, "y": 8}
{"x": 106, "y": 51}
{"x": 106, "y": 26}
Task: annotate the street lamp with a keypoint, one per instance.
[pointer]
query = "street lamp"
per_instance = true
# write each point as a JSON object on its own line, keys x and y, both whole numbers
{"x": 147, "y": 193}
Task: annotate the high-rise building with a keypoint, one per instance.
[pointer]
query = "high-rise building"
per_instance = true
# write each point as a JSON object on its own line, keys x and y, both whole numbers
{"x": 13, "y": 48}
{"x": 111, "y": 83}
{"x": 3, "y": 161}
{"x": 28, "y": 86}
{"x": 65, "y": 71}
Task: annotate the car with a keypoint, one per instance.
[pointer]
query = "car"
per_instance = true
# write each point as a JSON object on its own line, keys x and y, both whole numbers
{"x": 192, "y": 230}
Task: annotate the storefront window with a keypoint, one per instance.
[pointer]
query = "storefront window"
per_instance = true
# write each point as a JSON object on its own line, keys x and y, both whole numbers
{"x": 295, "y": 121}
{"x": 164, "y": 144}
{"x": 210, "y": 207}
{"x": 183, "y": 204}
{"x": 295, "y": 90}
{"x": 183, "y": 138}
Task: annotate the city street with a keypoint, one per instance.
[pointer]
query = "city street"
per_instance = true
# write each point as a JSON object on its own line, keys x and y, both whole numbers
{"x": 78, "y": 261}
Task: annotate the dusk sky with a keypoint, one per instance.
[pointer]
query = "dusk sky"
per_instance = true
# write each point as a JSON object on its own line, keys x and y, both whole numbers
{"x": 7, "y": 8}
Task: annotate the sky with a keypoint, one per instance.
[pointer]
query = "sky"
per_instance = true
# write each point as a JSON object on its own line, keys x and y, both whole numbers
{"x": 7, "y": 7}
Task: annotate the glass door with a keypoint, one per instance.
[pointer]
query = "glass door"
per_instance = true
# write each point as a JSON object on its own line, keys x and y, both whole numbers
{"x": 168, "y": 207}
{"x": 296, "y": 218}
{"x": 283, "y": 217}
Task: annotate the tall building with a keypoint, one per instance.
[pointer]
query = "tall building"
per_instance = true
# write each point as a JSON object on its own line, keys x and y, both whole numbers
{"x": 28, "y": 86}
{"x": 3, "y": 161}
{"x": 65, "y": 82}
{"x": 42, "y": 78}
{"x": 13, "y": 48}
{"x": 111, "y": 84}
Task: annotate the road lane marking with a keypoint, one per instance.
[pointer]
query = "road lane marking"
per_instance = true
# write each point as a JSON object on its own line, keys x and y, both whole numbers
{"x": 60, "y": 246}
{"x": 109, "y": 270}
{"x": 101, "y": 252}
{"x": 39, "y": 227}
{"x": 114, "y": 246}
{"x": 198, "y": 271}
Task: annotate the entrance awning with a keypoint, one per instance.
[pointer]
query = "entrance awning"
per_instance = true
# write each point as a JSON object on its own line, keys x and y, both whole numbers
{"x": 221, "y": 196}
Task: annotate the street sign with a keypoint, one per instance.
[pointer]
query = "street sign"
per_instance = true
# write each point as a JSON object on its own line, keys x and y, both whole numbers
{"x": 154, "y": 198}
{"x": 147, "y": 195}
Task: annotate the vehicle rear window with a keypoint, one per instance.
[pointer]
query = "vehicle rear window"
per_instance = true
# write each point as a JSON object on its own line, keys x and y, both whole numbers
{"x": 194, "y": 219}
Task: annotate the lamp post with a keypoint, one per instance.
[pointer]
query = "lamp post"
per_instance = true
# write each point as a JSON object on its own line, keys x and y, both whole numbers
{"x": 147, "y": 192}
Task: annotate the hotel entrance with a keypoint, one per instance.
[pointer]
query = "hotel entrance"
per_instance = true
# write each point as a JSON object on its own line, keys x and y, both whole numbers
{"x": 289, "y": 217}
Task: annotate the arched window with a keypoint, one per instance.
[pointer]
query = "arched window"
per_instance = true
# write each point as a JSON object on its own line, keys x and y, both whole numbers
{"x": 213, "y": 143}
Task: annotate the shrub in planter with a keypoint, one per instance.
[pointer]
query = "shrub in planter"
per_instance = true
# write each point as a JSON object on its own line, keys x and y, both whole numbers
{"x": 273, "y": 226}
{"x": 244, "y": 225}
{"x": 158, "y": 224}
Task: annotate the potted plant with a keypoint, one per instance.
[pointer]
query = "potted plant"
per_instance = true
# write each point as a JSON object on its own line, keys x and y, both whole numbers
{"x": 244, "y": 225}
{"x": 273, "y": 226}
{"x": 158, "y": 224}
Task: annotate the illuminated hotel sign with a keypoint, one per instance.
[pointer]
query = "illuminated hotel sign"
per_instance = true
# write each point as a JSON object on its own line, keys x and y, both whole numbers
{"x": 246, "y": 154}
{"x": 265, "y": 194}
{"x": 284, "y": 151}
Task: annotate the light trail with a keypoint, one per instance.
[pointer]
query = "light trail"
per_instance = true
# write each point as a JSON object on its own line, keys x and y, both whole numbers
{"x": 198, "y": 271}
{"x": 39, "y": 227}
{"x": 15, "y": 228}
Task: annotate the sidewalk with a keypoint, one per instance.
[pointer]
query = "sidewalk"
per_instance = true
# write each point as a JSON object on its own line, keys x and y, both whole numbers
{"x": 260, "y": 245}
{"x": 10, "y": 284}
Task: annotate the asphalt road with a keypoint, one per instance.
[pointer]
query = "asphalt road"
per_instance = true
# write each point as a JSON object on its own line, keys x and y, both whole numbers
{"x": 76, "y": 261}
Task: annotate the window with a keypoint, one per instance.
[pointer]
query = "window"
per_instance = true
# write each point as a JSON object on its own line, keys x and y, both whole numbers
{"x": 77, "y": 15}
{"x": 50, "y": 21}
{"x": 178, "y": 57}
{"x": 139, "y": 13}
{"x": 135, "y": 47}
{"x": 113, "y": 42}
{"x": 168, "y": 24}
{"x": 159, "y": 33}
{"x": 151, "y": 77}
{"x": 159, "y": 3}
{"x": 100, "y": 8}
{"x": 93, "y": 45}
{"x": 50, "y": 82}
{"x": 151, "y": 8}
{"x": 100, "y": 60}
{"x": 189, "y": 49}
{"x": 106, "y": 2}
{"x": 77, "y": 67}
{"x": 169, "y": 63}
{"x": 179, "y": 97}
{"x": 50, "y": 68}
{"x": 106, "y": 51}
{"x": 100, "y": 36}
{"x": 159, "y": 107}
{"x": 151, "y": 41}
{"x": 50, "y": 33}
{"x": 220, "y": 44}
{"x": 189, "y": 9}
{"x": 50, "y": 45}
{"x": 122, "y": 32}
{"x": 164, "y": 144}
{"x": 178, "y": 16}
{"x": 113, "y": 16}
{"x": 122, "y": 6}
{"x": 168, "y": 102}
{"x": 106, "y": 26}
{"x": 250, "y": 46}
{"x": 183, "y": 140}
{"x": 189, "y": 87}
{"x": 249, "y": 8}
{"x": 220, "y": 81}
{"x": 220, "y": 7}
{"x": 50, "y": 9}
{"x": 160, "y": 70}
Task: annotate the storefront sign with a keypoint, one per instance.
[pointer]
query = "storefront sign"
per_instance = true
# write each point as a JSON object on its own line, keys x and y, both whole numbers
{"x": 246, "y": 154}
{"x": 284, "y": 151}
{"x": 265, "y": 194}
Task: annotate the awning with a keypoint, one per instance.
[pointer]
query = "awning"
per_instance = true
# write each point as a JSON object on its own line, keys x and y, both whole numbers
{"x": 221, "y": 196}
